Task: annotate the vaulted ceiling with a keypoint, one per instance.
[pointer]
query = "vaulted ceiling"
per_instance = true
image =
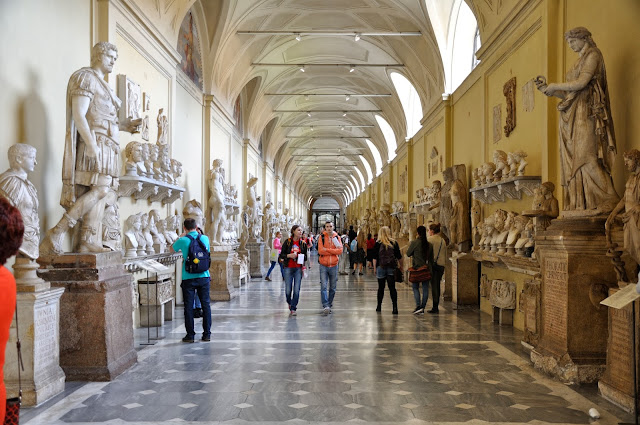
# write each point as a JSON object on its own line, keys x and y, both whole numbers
{"x": 264, "y": 68}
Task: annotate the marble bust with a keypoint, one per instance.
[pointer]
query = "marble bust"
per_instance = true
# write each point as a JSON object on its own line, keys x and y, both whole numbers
{"x": 135, "y": 160}
{"x": 132, "y": 227}
{"x": 21, "y": 193}
{"x": 502, "y": 168}
{"x": 91, "y": 162}
{"x": 193, "y": 209}
{"x": 146, "y": 224}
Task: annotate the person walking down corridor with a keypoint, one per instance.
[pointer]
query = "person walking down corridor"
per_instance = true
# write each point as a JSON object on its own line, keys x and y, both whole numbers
{"x": 344, "y": 258}
{"x": 360, "y": 255}
{"x": 386, "y": 258}
{"x": 275, "y": 252}
{"x": 292, "y": 257}
{"x": 329, "y": 249}
{"x": 439, "y": 257}
{"x": 421, "y": 253}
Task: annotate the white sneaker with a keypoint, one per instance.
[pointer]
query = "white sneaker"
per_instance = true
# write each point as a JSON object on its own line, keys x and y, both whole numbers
{"x": 293, "y": 313}
{"x": 326, "y": 310}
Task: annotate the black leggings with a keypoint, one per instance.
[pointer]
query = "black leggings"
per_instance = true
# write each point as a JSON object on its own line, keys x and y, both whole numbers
{"x": 391, "y": 281}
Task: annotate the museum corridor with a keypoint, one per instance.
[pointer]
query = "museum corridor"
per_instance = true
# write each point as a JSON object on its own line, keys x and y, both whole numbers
{"x": 354, "y": 365}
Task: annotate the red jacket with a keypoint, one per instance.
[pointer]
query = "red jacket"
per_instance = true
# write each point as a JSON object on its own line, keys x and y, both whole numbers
{"x": 329, "y": 252}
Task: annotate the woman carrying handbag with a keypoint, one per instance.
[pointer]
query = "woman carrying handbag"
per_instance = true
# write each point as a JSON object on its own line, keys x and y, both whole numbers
{"x": 421, "y": 253}
{"x": 439, "y": 257}
{"x": 386, "y": 259}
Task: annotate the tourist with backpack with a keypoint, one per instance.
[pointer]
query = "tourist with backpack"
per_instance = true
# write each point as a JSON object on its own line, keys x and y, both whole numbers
{"x": 195, "y": 277}
{"x": 439, "y": 260}
{"x": 290, "y": 258}
{"x": 329, "y": 250}
{"x": 386, "y": 258}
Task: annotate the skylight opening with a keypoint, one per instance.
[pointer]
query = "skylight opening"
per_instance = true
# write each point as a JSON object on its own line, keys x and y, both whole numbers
{"x": 367, "y": 168}
{"x": 389, "y": 137}
{"x": 410, "y": 101}
{"x": 376, "y": 156}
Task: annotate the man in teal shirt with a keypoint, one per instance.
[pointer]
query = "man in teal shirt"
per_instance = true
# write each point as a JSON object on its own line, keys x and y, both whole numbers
{"x": 192, "y": 283}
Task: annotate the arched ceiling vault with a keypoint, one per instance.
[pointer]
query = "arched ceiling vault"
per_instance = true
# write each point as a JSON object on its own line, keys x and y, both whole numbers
{"x": 236, "y": 63}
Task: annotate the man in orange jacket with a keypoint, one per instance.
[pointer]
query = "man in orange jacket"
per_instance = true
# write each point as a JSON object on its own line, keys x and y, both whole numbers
{"x": 329, "y": 250}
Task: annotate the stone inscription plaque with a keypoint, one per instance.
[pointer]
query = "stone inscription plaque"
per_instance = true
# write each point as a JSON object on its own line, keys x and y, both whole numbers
{"x": 555, "y": 300}
{"x": 531, "y": 313}
{"x": 45, "y": 336}
{"x": 620, "y": 352}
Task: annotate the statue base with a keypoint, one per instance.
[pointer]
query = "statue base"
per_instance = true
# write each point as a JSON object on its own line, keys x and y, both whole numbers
{"x": 465, "y": 283}
{"x": 256, "y": 259}
{"x": 576, "y": 276}
{"x": 96, "y": 325}
{"x": 221, "y": 270}
{"x": 39, "y": 323}
{"x": 616, "y": 385}
{"x": 240, "y": 268}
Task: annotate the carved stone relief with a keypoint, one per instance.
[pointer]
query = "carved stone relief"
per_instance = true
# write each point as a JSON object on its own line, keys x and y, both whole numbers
{"x": 503, "y": 294}
{"x": 144, "y": 132}
{"x": 163, "y": 127}
{"x": 497, "y": 123}
{"x": 509, "y": 91}
{"x": 528, "y": 97}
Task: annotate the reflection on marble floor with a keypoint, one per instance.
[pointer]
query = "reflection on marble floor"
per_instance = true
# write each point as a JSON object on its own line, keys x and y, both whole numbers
{"x": 354, "y": 365}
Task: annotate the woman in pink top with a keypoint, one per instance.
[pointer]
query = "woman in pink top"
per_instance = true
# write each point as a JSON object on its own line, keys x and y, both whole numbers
{"x": 11, "y": 231}
{"x": 275, "y": 252}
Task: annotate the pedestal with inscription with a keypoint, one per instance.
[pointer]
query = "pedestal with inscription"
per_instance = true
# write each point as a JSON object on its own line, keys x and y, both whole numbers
{"x": 96, "y": 325}
{"x": 576, "y": 276}
{"x": 221, "y": 271}
{"x": 39, "y": 326}
{"x": 256, "y": 259}
{"x": 465, "y": 289}
{"x": 616, "y": 385}
{"x": 530, "y": 307}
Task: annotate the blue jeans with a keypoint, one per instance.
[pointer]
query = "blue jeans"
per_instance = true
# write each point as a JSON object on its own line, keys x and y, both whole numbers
{"x": 189, "y": 289}
{"x": 328, "y": 277}
{"x": 425, "y": 293}
{"x": 273, "y": 264}
{"x": 292, "y": 280}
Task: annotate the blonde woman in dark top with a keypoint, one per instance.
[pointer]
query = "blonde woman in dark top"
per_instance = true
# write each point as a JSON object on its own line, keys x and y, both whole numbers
{"x": 421, "y": 253}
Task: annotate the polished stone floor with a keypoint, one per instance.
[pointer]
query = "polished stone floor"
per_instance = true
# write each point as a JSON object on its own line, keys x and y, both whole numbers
{"x": 354, "y": 365}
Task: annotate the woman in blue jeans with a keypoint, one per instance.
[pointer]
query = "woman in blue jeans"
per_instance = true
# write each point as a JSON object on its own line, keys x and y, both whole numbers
{"x": 386, "y": 258}
{"x": 421, "y": 253}
{"x": 291, "y": 249}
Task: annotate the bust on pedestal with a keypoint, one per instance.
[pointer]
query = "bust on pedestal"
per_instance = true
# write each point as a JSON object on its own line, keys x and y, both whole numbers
{"x": 38, "y": 305}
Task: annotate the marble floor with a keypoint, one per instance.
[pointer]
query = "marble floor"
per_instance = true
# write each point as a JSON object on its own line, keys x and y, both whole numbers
{"x": 263, "y": 366}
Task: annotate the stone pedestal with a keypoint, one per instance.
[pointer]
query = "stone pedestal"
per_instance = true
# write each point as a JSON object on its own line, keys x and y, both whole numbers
{"x": 240, "y": 270}
{"x": 465, "y": 290}
{"x": 530, "y": 300}
{"x": 96, "y": 327}
{"x": 616, "y": 384}
{"x": 157, "y": 303}
{"x": 576, "y": 275}
{"x": 221, "y": 271}
{"x": 256, "y": 259}
{"x": 39, "y": 326}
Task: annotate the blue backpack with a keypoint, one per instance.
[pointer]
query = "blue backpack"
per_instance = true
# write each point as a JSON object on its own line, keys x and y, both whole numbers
{"x": 198, "y": 258}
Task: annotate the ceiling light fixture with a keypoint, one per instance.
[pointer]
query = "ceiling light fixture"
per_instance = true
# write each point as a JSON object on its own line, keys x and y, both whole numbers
{"x": 357, "y": 37}
{"x": 311, "y": 128}
{"x": 298, "y": 36}
{"x": 306, "y": 97}
{"x": 344, "y": 114}
{"x": 342, "y": 128}
{"x": 347, "y": 97}
{"x": 308, "y": 114}
{"x": 352, "y": 68}
{"x": 302, "y": 68}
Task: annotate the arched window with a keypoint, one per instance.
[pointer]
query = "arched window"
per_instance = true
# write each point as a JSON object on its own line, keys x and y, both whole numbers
{"x": 410, "y": 102}
{"x": 389, "y": 136}
{"x": 367, "y": 169}
{"x": 476, "y": 46}
{"x": 354, "y": 192}
{"x": 376, "y": 156}
{"x": 456, "y": 31}
{"x": 364, "y": 184}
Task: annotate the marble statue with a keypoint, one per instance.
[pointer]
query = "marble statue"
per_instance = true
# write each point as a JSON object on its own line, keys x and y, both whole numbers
{"x": 91, "y": 163}
{"x": 254, "y": 224}
{"x": 459, "y": 229}
{"x": 162, "y": 166}
{"x": 135, "y": 161}
{"x": 488, "y": 168}
{"x": 111, "y": 235}
{"x": 476, "y": 223}
{"x": 500, "y": 232}
{"x": 132, "y": 228}
{"x": 267, "y": 223}
{"x": 502, "y": 168}
{"x": 375, "y": 221}
{"x": 144, "y": 132}
{"x": 193, "y": 209}
{"x": 630, "y": 204}
{"x": 434, "y": 193}
{"x": 216, "y": 202}
{"x": 21, "y": 193}
{"x": 517, "y": 163}
{"x": 475, "y": 176}
{"x": 446, "y": 207}
{"x": 147, "y": 224}
{"x": 514, "y": 239}
{"x": 244, "y": 232}
{"x": 489, "y": 232}
{"x": 587, "y": 138}
{"x": 150, "y": 154}
{"x": 163, "y": 127}
{"x": 171, "y": 227}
